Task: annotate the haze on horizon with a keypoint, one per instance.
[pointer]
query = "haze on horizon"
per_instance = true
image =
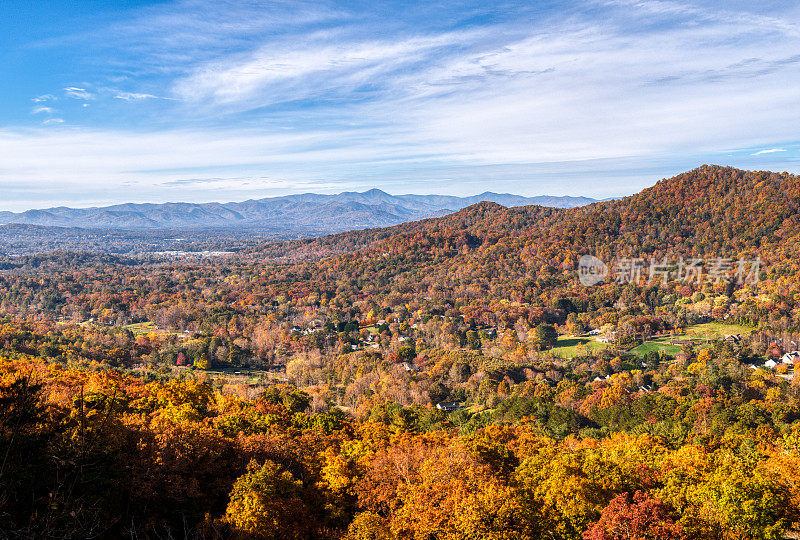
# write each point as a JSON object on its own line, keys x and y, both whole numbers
{"x": 198, "y": 100}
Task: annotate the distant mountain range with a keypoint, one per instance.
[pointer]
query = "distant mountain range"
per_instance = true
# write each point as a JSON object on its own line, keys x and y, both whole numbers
{"x": 307, "y": 213}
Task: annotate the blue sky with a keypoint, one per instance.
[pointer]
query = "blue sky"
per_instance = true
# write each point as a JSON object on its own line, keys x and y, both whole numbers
{"x": 104, "y": 102}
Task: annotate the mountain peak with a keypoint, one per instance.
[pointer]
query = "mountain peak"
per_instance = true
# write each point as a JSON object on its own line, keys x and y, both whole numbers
{"x": 305, "y": 214}
{"x": 483, "y": 208}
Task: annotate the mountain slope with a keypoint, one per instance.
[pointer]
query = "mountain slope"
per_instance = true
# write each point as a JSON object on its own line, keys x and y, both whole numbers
{"x": 710, "y": 211}
{"x": 306, "y": 212}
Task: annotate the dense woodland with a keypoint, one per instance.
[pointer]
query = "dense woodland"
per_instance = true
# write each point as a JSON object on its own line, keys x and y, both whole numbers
{"x": 291, "y": 390}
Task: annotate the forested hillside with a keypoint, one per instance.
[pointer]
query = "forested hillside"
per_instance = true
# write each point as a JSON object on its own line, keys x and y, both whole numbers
{"x": 446, "y": 378}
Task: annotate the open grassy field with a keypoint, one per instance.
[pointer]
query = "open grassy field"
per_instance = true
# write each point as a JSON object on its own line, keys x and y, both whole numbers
{"x": 143, "y": 328}
{"x": 699, "y": 334}
{"x": 659, "y": 345}
{"x": 572, "y": 346}
{"x": 716, "y": 330}
{"x": 149, "y": 327}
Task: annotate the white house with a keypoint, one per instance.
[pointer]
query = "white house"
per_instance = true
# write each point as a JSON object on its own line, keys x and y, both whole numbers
{"x": 448, "y": 407}
{"x": 770, "y": 364}
{"x": 789, "y": 357}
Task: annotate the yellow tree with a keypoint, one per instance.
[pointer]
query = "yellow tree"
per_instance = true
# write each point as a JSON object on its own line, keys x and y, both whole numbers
{"x": 267, "y": 502}
{"x": 455, "y": 497}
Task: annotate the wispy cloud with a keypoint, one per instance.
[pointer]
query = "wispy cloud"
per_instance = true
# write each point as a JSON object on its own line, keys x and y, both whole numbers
{"x": 169, "y": 38}
{"x": 44, "y": 97}
{"x": 78, "y": 93}
{"x": 133, "y": 96}
{"x": 42, "y": 110}
{"x": 770, "y": 151}
{"x": 719, "y": 14}
{"x": 193, "y": 181}
{"x": 85, "y": 165}
{"x": 576, "y": 88}
{"x": 52, "y": 121}
{"x": 336, "y": 93}
{"x": 322, "y": 69}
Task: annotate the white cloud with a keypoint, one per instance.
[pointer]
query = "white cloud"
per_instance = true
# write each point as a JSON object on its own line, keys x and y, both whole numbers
{"x": 78, "y": 93}
{"x": 88, "y": 165}
{"x": 41, "y": 110}
{"x": 172, "y": 37}
{"x": 573, "y": 89}
{"x": 583, "y": 91}
{"x": 44, "y": 97}
{"x": 133, "y": 96}
{"x": 51, "y": 121}
{"x": 108, "y": 157}
{"x": 770, "y": 151}
{"x": 322, "y": 67}
{"x": 719, "y": 14}
{"x": 631, "y": 82}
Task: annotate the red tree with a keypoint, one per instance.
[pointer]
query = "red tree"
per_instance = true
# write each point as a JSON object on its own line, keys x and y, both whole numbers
{"x": 635, "y": 518}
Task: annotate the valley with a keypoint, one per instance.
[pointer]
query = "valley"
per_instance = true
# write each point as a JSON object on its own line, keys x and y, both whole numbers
{"x": 349, "y": 369}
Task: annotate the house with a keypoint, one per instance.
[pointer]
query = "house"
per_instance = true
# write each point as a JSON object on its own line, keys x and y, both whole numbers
{"x": 733, "y": 338}
{"x": 449, "y": 406}
{"x": 408, "y": 366}
{"x": 790, "y": 357}
{"x": 770, "y": 364}
{"x": 594, "y": 332}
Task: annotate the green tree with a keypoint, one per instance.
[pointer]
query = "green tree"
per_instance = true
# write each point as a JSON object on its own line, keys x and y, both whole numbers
{"x": 545, "y": 337}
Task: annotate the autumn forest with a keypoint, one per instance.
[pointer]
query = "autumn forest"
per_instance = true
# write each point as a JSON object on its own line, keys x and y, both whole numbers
{"x": 450, "y": 378}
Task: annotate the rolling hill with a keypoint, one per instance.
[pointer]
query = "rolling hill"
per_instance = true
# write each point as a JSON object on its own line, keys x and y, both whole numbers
{"x": 308, "y": 213}
{"x": 711, "y": 210}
